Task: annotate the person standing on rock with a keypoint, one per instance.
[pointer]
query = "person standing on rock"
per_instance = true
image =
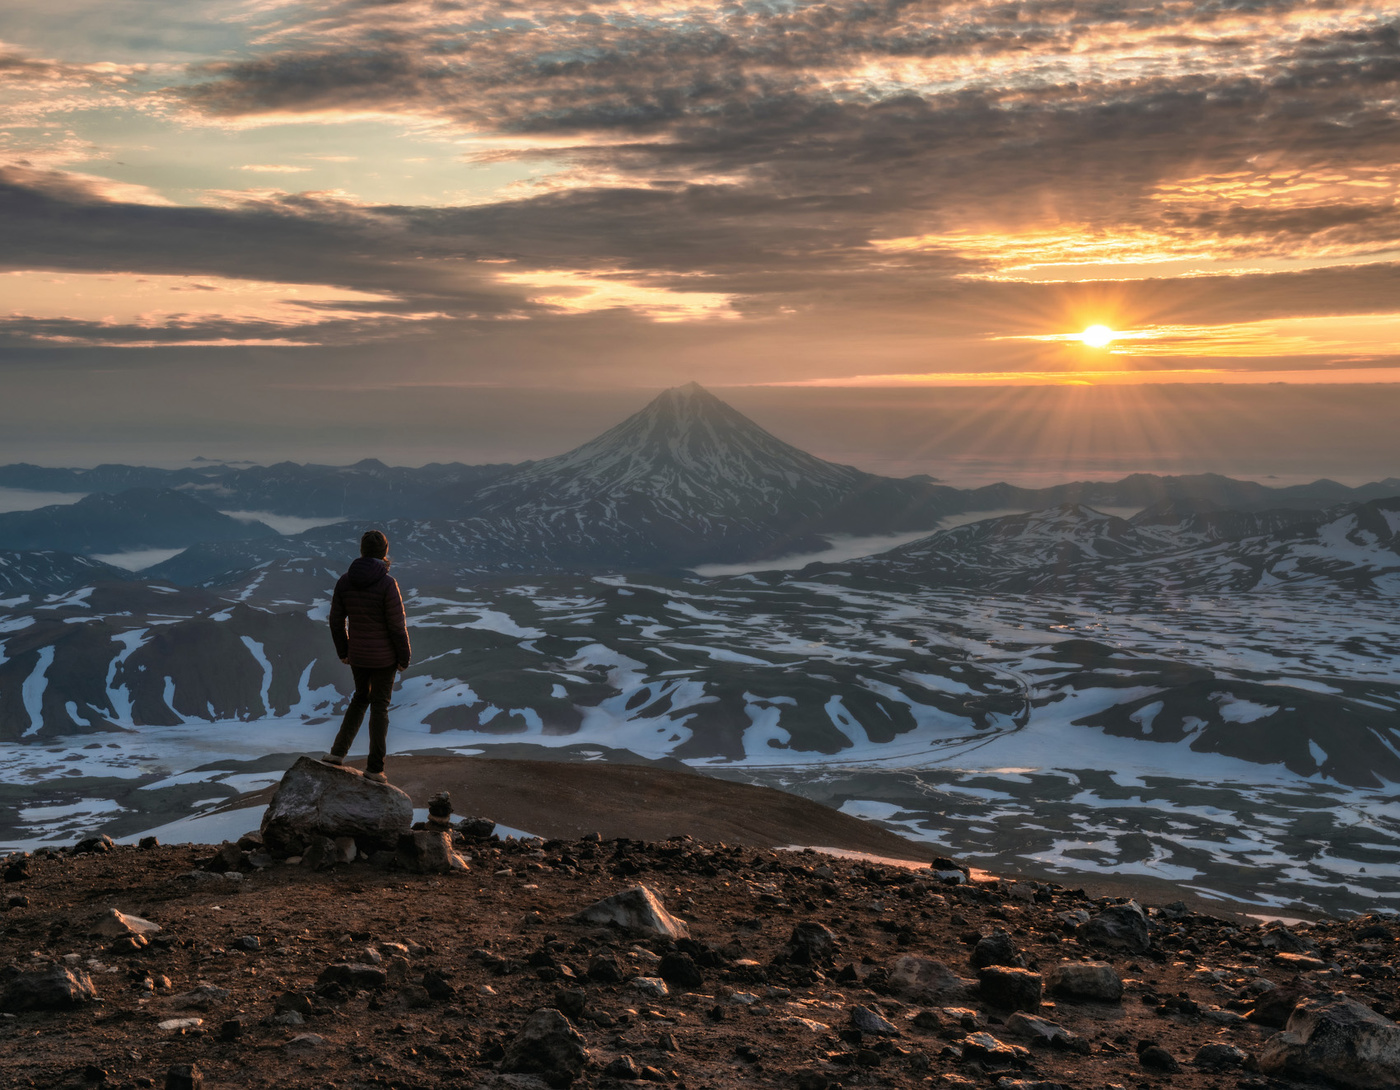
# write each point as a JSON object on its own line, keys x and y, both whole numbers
{"x": 371, "y": 636}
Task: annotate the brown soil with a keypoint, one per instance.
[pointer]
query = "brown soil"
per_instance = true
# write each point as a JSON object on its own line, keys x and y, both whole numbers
{"x": 488, "y": 947}
{"x": 569, "y": 799}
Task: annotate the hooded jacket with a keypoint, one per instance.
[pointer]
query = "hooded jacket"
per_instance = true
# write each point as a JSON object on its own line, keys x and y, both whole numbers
{"x": 367, "y": 602}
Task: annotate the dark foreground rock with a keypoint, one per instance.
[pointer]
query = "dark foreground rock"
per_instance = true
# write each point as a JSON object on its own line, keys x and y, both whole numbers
{"x": 547, "y": 1045}
{"x": 316, "y": 800}
{"x": 1339, "y": 1040}
{"x": 637, "y": 910}
{"x": 1085, "y": 980}
{"x": 552, "y": 963}
{"x": 52, "y": 987}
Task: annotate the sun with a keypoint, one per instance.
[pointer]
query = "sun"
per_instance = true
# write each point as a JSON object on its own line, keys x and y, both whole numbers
{"x": 1097, "y": 336}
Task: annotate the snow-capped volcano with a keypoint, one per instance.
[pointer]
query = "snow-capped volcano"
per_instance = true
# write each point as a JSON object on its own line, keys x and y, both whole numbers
{"x": 688, "y": 452}
{"x": 690, "y": 479}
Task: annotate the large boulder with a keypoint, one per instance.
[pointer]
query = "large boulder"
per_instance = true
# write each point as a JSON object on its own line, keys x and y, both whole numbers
{"x": 1337, "y": 1039}
{"x": 116, "y": 925}
{"x": 1092, "y": 980}
{"x": 548, "y": 1046}
{"x": 998, "y": 948}
{"x": 54, "y": 987}
{"x": 1122, "y": 925}
{"x": 1010, "y": 988}
{"x": 810, "y": 943}
{"x": 924, "y": 980}
{"x": 319, "y": 800}
{"x": 637, "y": 910}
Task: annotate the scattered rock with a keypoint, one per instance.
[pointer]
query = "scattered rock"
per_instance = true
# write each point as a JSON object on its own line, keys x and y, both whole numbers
{"x": 996, "y": 949}
{"x": 949, "y": 871}
{"x": 1218, "y": 1056}
{"x": 604, "y": 969}
{"x": 203, "y": 997}
{"x": 184, "y": 1077}
{"x": 1010, "y": 988}
{"x": 476, "y": 828}
{"x": 1092, "y": 980}
{"x": 1153, "y": 1057}
{"x": 680, "y": 972}
{"x": 985, "y": 1048}
{"x": 93, "y": 844}
{"x": 116, "y": 924}
{"x": 429, "y": 852}
{"x": 295, "y": 1002}
{"x": 353, "y": 975}
{"x": 925, "y": 980}
{"x": 873, "y": 1023}
{"x": 1122, "y": 925}
{"x": 653, "y": 986}
{"x": 637, "y": 910}
{"x": 624, "y": 1067}
{"x": 319, "y": 800}
{"x": 1040, "y": 1030}
{"x": 811, "y": 943}
{"x": 55, "y": 987}
{"x": 1278, "y": 936}
{"x": 571, "y": 1003}
{"x": 435, "y": 982}
{"x": 549, "y": 1046}
{"x": 1299, "y": 963}
{"x": 1275, "y": 1006}
{"x": 229, "y": 857}
{"x": 1338, "y": 1039}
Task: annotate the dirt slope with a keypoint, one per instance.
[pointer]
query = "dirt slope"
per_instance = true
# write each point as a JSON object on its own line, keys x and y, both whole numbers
{"x": 567, "y": 800}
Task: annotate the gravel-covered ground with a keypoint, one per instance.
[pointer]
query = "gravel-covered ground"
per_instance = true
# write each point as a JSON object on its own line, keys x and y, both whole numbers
{"x": 235, "y": 981}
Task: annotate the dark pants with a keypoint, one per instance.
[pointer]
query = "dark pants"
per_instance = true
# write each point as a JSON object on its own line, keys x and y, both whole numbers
{"x": 373, "y": 687}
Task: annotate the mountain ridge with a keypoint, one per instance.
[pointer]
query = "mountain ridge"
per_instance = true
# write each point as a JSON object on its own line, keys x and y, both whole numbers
{"x": 685, "y": 481}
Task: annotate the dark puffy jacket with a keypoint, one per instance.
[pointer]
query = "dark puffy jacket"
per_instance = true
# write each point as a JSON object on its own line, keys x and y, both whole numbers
{"x": 368, "y": 597}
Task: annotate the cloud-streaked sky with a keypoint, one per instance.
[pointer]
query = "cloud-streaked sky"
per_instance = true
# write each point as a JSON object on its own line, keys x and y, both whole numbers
{"x": 600, "y": 193}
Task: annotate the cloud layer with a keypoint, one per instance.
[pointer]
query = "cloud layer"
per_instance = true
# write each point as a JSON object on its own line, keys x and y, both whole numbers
{"x": 825, "y": 189}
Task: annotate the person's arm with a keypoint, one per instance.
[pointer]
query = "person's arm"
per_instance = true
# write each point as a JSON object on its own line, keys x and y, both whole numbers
{"x": 337, "y": 623}
{"x": 397, "y": 624}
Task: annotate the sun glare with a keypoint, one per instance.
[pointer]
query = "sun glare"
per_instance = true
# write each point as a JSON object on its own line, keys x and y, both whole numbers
{"x": 1097, "y": 336}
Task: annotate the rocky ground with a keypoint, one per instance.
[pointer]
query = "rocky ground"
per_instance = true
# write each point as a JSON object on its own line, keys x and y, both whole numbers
{"x": 798, "y": 970}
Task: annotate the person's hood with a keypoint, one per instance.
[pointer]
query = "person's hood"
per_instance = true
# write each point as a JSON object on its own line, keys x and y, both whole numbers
{"x": 366, "y": 571}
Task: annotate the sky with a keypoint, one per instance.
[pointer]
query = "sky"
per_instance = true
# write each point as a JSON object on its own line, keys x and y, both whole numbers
{"x": 298, "y": 226}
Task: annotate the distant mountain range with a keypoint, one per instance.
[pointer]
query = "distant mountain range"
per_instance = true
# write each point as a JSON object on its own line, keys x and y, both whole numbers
{"x": 138, "y": 518}
{"x": 686, "y": 481}
{"x": 26, "y": 572}
{"x": 1073, "y": 549}
{"x": 367, "y": 489}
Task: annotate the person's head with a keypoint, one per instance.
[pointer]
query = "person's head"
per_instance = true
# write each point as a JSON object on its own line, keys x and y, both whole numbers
{"x": 374, "y": 544}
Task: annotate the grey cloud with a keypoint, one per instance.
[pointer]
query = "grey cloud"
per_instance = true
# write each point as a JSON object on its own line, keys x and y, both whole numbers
{"x": 753, "y": 175}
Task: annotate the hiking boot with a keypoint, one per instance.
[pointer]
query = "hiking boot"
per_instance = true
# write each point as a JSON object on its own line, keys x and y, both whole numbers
{"x": 332, "y": 759}
{"x": 377, "y": 777}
